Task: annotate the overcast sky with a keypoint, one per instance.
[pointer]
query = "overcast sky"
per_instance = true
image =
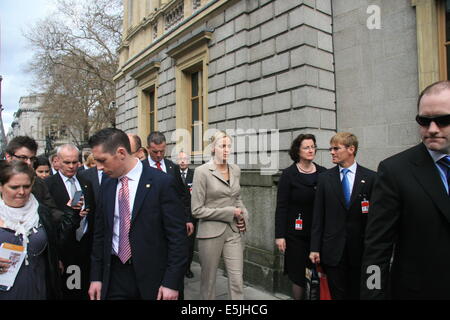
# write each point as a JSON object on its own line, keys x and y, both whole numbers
{"x": 17, "y": 16}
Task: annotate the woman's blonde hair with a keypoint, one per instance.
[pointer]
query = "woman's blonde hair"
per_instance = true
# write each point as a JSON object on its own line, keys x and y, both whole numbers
{"x": 216, "y": 137}
{"x": 90, "y": 161}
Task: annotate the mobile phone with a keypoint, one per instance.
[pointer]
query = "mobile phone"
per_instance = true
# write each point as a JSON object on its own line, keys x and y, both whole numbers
{"x": 76, "y": 198}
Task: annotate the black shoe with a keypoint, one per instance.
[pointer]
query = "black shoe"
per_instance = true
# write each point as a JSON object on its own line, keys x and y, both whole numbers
{"x": 189, "y": 274}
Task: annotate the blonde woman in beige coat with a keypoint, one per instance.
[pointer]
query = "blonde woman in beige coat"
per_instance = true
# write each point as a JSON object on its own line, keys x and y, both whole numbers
{"x": 223, "y": 218}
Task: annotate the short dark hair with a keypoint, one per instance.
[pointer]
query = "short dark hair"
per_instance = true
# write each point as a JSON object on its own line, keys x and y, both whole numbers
{"x": 137, "y": 141}
{"x": 295, "y": 146}
{"x": 110, "y": 139}
{"x": 41, "y": 161}
{"x": 433, "y": 88}
{"x": 9, "y": 169}
{"x": 20, "y": 142}
{"x": 156, "y": 137}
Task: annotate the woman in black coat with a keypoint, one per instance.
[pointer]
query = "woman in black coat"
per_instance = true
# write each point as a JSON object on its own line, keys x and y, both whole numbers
{"x": 295, "y": 203}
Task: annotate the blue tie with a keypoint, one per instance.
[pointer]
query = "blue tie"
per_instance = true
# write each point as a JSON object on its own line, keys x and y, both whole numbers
{"x": 346, "y": 187}
{"x": 444, "y": 163}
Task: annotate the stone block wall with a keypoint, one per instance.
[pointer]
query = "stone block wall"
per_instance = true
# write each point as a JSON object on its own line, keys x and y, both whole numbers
{"x": 376, "y": 76}
{"x": 271, "y": 66}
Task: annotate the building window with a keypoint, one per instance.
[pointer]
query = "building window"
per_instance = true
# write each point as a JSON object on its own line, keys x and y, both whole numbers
{"x": 130, "y": 13}
{"x": 444, "y": 39}
{"x": 191, "y": 73}
{"x": 196, "y": 4}
{"x": 196, "y": 112}
{"x": 149, "y": 96}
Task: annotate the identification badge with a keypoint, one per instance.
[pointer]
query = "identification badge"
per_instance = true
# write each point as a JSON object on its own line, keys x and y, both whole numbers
{"x": 365, "y": 206}
{"x": 299, "y": 223}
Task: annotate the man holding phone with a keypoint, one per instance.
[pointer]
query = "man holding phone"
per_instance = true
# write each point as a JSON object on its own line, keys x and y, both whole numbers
{"x": 70, "y": 189}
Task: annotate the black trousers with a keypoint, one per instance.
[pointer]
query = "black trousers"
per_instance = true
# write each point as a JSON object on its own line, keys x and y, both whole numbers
{"x": 344, "y": 279}
{"x": 122, "y": 282}
{"x": 76, "y": 256}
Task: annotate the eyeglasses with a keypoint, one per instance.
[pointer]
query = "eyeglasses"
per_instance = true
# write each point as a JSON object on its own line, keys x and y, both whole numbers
{"x": 308, "y": 148}
{"x": 441, "y": 121}
{"x": 25, "y": 158}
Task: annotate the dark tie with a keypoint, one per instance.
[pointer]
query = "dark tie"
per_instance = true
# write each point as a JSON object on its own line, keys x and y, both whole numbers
{"x": 158, "y": 165}
{"x": 125, "y": 221}
{"x": 444, "y": 163}
{"x": 346, "y": 186}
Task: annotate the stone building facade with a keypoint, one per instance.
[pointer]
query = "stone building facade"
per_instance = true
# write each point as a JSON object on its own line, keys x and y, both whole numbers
{"x": 267, "y": 70}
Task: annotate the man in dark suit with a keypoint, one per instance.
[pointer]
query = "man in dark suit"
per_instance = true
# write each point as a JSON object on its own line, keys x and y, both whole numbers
{"x": 54, "y": 164}
{"x": 62, "y": 186}
{"x": 410, "y": 212}
{"x": 187, "y": 175}
{"x": 140, "y": 245}
{"x": 95, "y": 177}
{"x": 156, "y": 146}
{"x": 24, "y": 148}
{"x": 339, "y": 218}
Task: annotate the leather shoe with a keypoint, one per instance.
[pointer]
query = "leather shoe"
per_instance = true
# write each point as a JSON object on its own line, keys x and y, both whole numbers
{"x": 189, "y": 274}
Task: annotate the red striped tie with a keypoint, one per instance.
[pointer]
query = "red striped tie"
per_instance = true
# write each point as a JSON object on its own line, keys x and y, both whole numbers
{"x": 125, "y": 221}
{"x": 158, "y": 165}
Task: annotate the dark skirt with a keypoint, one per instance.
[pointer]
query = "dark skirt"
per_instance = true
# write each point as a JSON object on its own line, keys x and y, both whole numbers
{"x": 296, "y": 259}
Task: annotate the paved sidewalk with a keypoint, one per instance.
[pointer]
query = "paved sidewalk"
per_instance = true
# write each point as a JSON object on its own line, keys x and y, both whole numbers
{"x": 192, "y": 288}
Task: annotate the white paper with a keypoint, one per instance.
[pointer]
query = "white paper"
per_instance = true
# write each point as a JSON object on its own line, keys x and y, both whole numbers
{"x": 7, "y": 279}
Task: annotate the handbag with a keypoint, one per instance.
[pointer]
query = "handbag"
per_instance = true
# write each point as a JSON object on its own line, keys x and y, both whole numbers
{"x": 324, "y": 289}
{"x": 312, "y": 288}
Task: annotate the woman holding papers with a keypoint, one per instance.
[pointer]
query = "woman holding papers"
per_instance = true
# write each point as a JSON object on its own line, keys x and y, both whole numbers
{"x": 27, "y": 228}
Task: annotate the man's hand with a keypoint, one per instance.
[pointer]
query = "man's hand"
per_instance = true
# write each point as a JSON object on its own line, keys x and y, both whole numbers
{"x": 78, "y": 206}
{"x": 281, "y": 244}
{"x": 314, "y": 257}
{"x": 167, "y": 294}
{"x": 84, "y": 213}
{"x": 95, "y": 290}
{"x": 189, "y": 228}
{"x": 61, "y": 266}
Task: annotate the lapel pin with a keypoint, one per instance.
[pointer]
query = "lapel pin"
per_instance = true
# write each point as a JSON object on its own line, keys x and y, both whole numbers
{"x": 147, "y": 186}
{"x": 363, "y": 181}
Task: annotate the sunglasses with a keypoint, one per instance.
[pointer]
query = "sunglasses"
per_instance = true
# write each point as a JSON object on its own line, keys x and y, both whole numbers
{"x": 441, "y": 121}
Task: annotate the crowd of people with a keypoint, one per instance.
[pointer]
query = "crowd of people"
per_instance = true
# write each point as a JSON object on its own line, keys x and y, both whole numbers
{"x": 120, "y": 222}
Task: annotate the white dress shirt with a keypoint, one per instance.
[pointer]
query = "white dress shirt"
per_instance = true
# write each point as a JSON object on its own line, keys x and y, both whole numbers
{"x": 100, "y": 176}
{"x": 153, "y": 164}
{"x": 83, "y": 222}
{"x": 350, "y": 175}
{"x": 68, "y": 184}
{"x": 133, "y": 180}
